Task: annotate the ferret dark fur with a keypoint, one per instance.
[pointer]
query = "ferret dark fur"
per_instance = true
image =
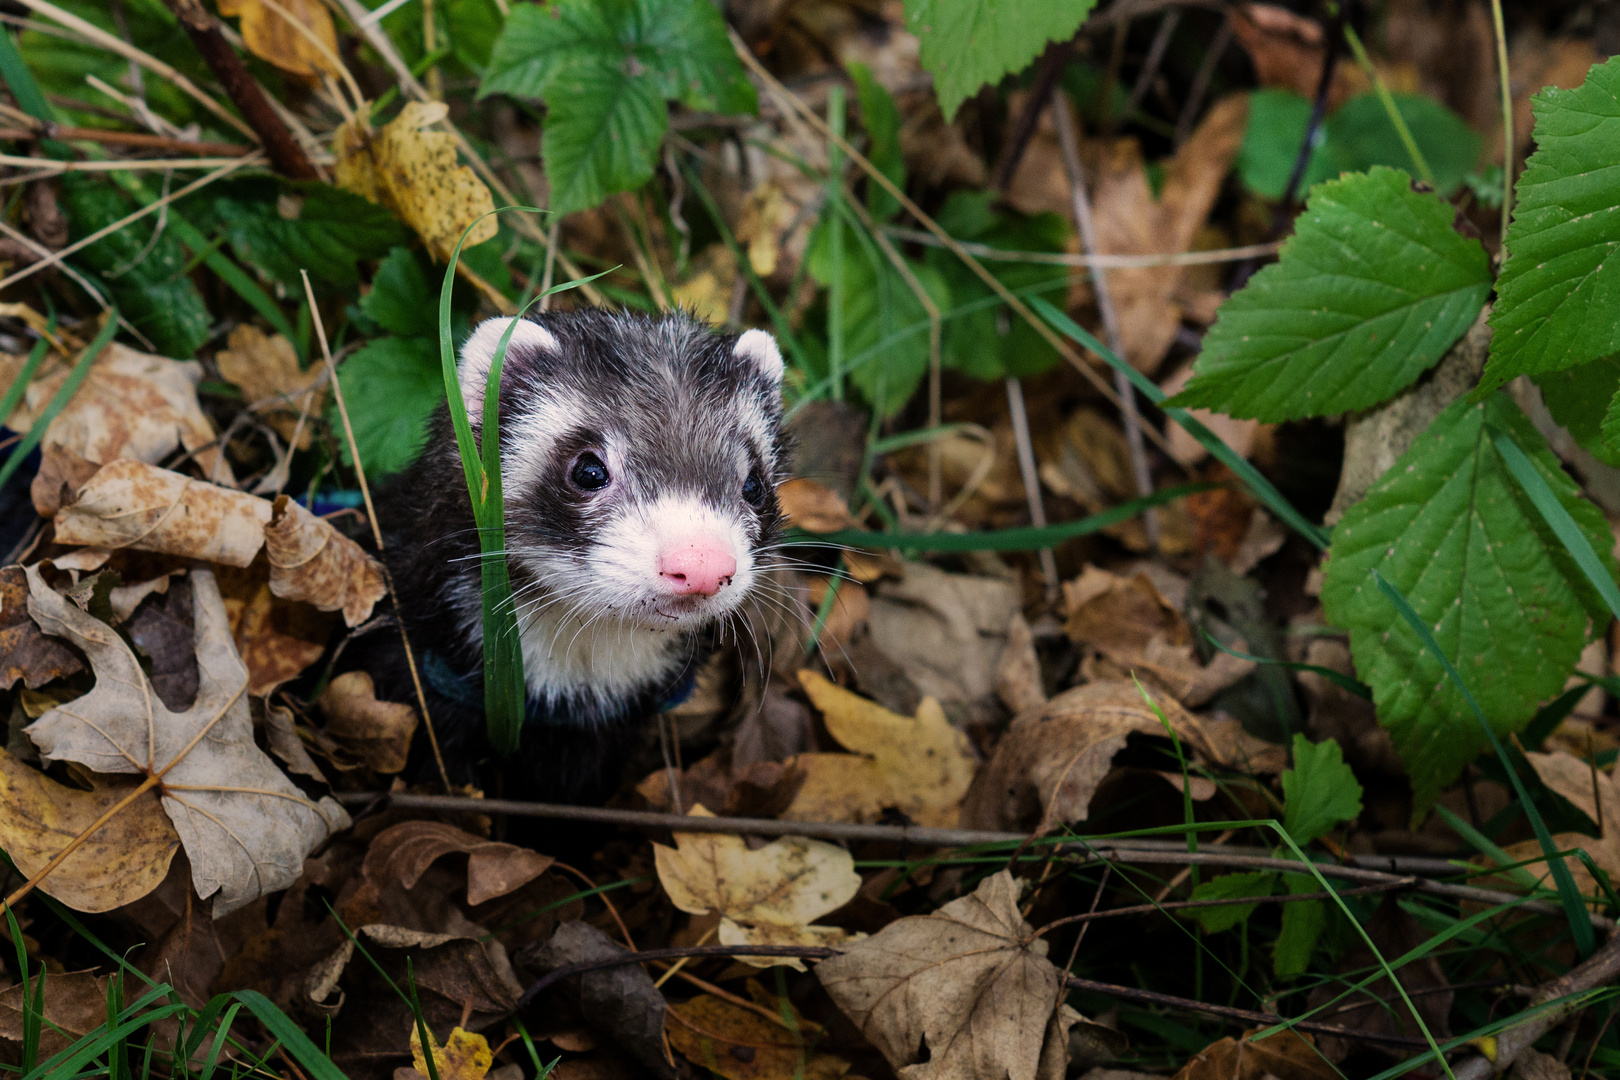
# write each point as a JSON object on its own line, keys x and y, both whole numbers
{"x": 640, "y": 457}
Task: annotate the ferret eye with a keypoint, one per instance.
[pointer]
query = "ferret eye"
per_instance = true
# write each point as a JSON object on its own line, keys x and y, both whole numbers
{"x": 589, "y": 474}
{"x": 753, "y": 491}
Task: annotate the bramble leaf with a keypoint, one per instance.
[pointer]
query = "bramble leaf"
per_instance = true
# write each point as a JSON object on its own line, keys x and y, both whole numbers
{"x": 1560, "y": 285}
{"x": 401, "y": 377}
{"x": 1450, "y": 528}
{"x": 282, "y": 228}
{"x": 1581, "y": 400}
{"x": 399, "y": 300}
{"x": 967, "y": 43}
{"x": 1302, "y": 926}
{"x": 1319, "y": 791}
{"x": 1369, "y": 293}
{"x": 1230, "y": 887}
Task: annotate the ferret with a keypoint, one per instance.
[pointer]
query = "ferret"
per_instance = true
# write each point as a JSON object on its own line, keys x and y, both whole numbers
{"x": 639, "y": 463}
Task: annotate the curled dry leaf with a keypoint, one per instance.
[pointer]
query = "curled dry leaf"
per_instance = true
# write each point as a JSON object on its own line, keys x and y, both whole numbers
{"x": 25, "y": 653}
{"x": 739, "y": 1044}
{"x": 404, "y": 852}
{"x": 61, "y": 474}
{"x": 413, "y": 172}
{"x": 246, "y": 828}
{"x": 313, "y": 562}
{"x": 265, "y": 368}
{"x": 132, "y": 504}
{"x": 130, "y": 405}
{"x": 814, "y": 507}
{"x": 959, "y": 994}
{"x": 378, "y": 733}
{"x": 269, "y": 35}
{"x": 278, "y": 639}
{"x": 920, "y": 766}
{"x": 764, "y": 897}
{"x": 1049, "y": 764}
{"x": 121, "y": 862}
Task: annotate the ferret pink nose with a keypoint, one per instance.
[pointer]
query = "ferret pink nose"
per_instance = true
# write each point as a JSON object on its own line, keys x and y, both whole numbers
{"x": 701, "y": 566}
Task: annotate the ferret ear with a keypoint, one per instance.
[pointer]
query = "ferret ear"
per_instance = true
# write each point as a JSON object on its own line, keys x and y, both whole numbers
{"x": 478, "y": 356}
{"x": 759, "y": 349}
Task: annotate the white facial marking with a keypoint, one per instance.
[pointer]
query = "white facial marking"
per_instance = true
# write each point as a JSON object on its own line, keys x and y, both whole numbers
{"x": 760, "y": 348}
{"x": 478, "y": 355}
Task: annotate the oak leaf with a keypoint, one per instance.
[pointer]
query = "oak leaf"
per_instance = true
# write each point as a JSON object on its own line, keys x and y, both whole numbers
{"x": 246, "y": 828}
{"x": 764, "y": 897}
{"x": 963, "y": 993}
{"x": 920, "y": 766}
{"x": 313, "y": 562}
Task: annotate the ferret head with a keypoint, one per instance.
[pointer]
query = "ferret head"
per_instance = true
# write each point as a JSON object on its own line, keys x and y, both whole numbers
{"x": 639, "y": 459}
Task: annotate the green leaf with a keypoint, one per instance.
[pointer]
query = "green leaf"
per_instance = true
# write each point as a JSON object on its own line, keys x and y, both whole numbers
{"x": 1372, "y": 289}
{"x": 1302, "y": 926}
{"x": 992, "y": 343}
{"x": 1228, "y": 887}
{"x": 1560, "y": 283}
{"x": 967, "y": 43}
{"x": 881, "y": 119}
{"x": 399, "y": 300}
{"x": 1450, "y": 528}
{"x": 282, "y": 228}
{"x": 1580, "y": 398}
{"x": 1276, "y": 127}
{"x": 604, "y": 69}
{"x": 142, "y": 268}
{"x": 391, "y": 386}
{"x": 1319, "y": 791}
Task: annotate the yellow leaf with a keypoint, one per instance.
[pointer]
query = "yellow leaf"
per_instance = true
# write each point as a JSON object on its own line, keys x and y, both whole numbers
{"x": 270, "y": 36}
{"x": 413, "y": 172}
{"x": 921, "y": 766}
{"x": 764, "y": 897}
{"x": 465, "y": 1055}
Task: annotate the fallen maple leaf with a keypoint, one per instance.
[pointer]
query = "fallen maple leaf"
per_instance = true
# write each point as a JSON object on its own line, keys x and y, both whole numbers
{"x": 764, "y": 897}
{"x": 413, "y": 172}
{"x": 269, "y": 36}
{"x": 920, "y": 766}
{"x": 313, "y": 562}
{"x": 246, "y": 828}
{"x": 132, "y": 504}
{"x": 121, "y": 862}
{"x": 963, "y": 993}
{"x": 265, "y": 368}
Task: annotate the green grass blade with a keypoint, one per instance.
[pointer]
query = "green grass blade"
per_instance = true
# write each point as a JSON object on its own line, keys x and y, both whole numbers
{"x": 96, "y": 1043}
{"x": 19, "y": 385}
{"x": 59, "y": 400}
{"x": 1557, "y": 518}
{"x": 1262, "y": 488}
{"x": 298, "y": 1045}
{"x": 1580, "y": 925}
{"x": 1485, "y": 846}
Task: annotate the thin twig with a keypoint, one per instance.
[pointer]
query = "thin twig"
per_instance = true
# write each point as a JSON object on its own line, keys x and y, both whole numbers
{"x": 1226, "y": 901}
{"x": 1201, "y": 80}
{"x": 138, "y": 139}
{"x": 1012, "y": 152}
{"x": 49, "y": 167}
{"x": 1155, "y": 57}
{"x": 1090, "y": 260}
{"x": 1069, "y": 144}
{"x": 371, "y": 515}
{"x": 1019, "y": 418}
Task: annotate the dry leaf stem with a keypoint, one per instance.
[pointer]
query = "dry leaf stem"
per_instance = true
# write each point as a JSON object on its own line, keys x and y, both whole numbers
{"x": 376, "y": 531}
{"x": 73, "y": 845}
{"x": 1019, "y": 416}
{"x": 140, "y": 139}
{"x": 1069, "y": 146}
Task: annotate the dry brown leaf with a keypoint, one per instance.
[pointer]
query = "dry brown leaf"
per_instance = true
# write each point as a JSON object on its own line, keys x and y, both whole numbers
{"x": 739, "y": 1044}
{"x": 1287, "y": 52}
{"x": 265, "y": 369}
{"x": 404, "y": 852}
{"x": 413, "y": 172}
{"x": 764, "y": 897}
{"x": 708, "y": 287}
{"x": 813, "y": 507}
{"x": 957, "y": 995}
{"x": 1110, "y": 611}
{"x": 278, "y": 639}
{"x": 75, "y": 1005}
{"x": 1286, "y": 1055}
{"x": 765, "y": 214}
{"x": 246, "y": 828}
{"x": 465, "y": 1055}
{"x": 1237, "y": 433}
{"x": 121, "y": 862}
{"x": 1018, "y": 675}
{"x": 1592, "y": 791}
{"x": 61, "y": 474}
{"x": 25, "y": 653}
{"x": 850, "y": 608}
{"x": 130, "y": 405}
{"x": 313, "y": 562}
{"x": 1049, "y": 764}
{"x": 378, "y": 733}
{"x": 920, "y": 766}
{"x": 132, "y": 504}
{"x": 269, "y": 35}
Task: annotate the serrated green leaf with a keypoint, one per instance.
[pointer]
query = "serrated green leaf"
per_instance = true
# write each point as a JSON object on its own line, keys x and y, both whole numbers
{"x": 1450, "y": 528}
{"x": 881, "y": 119}
{"x": 1370, "y": 291}
{"x": 1230, "y": 887}
{"x": 967, "y": 43}
{"x": 605, "y": 69}
{"x": 1579, "y": 399}
{"x": 399, "y": 300}
{"x": 391, "y": 386}
{"x": 1302, "y": 926}
{"x": 1560, "y": 284}
{"x": 1319, "y": 791}
{"x": 141, "y": 267}
{"x": 281, "y": 228}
